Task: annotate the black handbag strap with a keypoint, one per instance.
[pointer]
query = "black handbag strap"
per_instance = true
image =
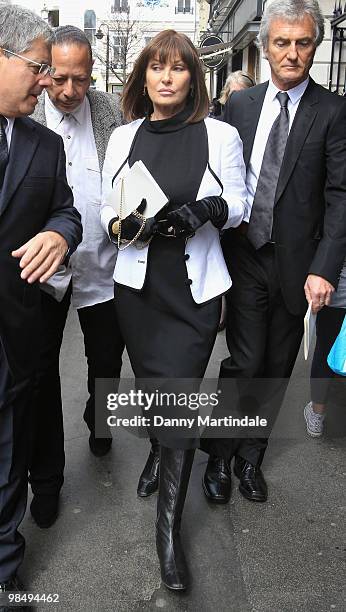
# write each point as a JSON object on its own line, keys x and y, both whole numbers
{"x": 215, "y": 177}
{"x": 128, "y": 156}
{"x": 208, "y": 164}
{"x": 131, "y": 149}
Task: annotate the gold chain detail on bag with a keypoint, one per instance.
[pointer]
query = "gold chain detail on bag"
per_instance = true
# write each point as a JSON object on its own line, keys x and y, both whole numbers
{"x": 123, "y": 242}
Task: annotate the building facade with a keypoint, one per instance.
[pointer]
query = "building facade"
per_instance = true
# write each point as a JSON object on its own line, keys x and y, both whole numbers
{"x": 119, "y": 29}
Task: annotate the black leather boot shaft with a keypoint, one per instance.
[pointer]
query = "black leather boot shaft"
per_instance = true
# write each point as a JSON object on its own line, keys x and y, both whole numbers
{"x": 175, "y": 470}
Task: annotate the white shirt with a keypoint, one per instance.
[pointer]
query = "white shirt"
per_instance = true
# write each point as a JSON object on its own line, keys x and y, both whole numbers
{"x": 92, "y": 265}
{"x": 8, "y": 130}
{"x": 270, "y": 111}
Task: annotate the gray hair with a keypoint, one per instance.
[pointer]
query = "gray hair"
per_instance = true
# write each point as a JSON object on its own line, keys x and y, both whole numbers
{"x": 70, "y": 35}
{"x": 20, "y": 27}
{"x": 291, "y": 10}
{"x": 240, "y": 77}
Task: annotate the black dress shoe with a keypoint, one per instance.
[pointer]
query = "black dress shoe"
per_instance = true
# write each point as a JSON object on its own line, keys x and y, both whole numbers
{"x": 252, "y": 484}
{"x": 149, "y": 479}
{"x": 99, "y": 446}
{"x": 45, "y": 509}
{"x": 216, "y": 481}
{"x": 12, "y": 585}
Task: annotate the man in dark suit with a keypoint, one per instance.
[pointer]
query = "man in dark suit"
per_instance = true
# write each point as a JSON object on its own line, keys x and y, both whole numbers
{"x": 38, "y": 228}
{"x": 291, "y": 249}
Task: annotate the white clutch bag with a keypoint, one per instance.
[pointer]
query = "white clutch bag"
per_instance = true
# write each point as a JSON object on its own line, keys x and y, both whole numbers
{"x": 130, "y": 190}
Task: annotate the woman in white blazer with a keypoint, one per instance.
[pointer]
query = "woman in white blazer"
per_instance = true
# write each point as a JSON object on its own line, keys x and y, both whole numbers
{"x": 170, "y": 277}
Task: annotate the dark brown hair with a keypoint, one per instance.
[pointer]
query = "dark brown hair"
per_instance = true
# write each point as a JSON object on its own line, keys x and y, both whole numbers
{"x": 166, "y": 45}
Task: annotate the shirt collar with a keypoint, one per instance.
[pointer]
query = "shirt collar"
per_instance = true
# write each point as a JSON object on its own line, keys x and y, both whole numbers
{"x": 79, "y": 112}
{"x": 9, "y": 129}
{"x": 10, "y": 122}
{"x": 57, "y": 115}
{"x": 294, "y": 94}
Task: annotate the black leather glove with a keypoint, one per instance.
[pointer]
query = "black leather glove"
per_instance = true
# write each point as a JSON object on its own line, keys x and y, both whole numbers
{"x": 191, "y": 216}
{"x": 132, "y": 224}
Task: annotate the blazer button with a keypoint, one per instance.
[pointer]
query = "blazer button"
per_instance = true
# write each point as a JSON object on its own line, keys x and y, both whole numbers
{"x": 188, "y": 281}
{"x": 186, "y": 257}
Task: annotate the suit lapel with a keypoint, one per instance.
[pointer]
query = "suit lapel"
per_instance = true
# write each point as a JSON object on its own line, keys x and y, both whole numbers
{"x": 303, "y": 120}
{"x": 251, "y": 117}
{"x": 23, "y": 146}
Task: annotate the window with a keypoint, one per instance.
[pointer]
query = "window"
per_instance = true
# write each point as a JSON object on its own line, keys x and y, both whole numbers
{"x": 118, "y": 51}
{"x": 53, "y": 18}
{"x": 120, "y": 6}
{"x": 90, "y": 26}
{"x": 184, "y": 6}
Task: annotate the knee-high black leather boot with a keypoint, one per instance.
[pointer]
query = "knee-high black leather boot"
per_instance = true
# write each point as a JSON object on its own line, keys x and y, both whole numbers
{"x": 175, "y": 470}
{"x": 149, "y": 479}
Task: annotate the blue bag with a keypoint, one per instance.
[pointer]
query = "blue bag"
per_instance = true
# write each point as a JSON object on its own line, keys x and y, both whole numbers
{"x": 337, "y": 356}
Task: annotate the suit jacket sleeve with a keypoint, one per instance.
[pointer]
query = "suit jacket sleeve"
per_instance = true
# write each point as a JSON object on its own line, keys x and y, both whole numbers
{"x": 330, "y": 254}
{"x": 64, "y": 217}
{"x": 226, "y": 113}
{"x": 107, "y": 212}
{"x": 233, "y": 176}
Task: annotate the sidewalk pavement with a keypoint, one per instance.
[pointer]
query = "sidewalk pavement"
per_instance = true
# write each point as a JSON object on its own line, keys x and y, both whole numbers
{"x": 287, "y": 555}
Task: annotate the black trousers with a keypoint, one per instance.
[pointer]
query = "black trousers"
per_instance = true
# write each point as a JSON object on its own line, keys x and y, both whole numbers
{"x": 103, "y": 350}
{"x": 14, "y": 445}
{"x": 263, "y": 337}
{"x": 328, "y": 325}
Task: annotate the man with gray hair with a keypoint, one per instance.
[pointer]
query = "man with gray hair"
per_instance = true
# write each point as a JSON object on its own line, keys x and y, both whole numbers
{"x": 38, "y": 228}
{"x": 85, "y": 119}
{"x": 291, "y": 248}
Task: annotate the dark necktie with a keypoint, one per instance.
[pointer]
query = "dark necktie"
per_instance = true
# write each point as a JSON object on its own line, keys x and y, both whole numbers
{"x": 261, "y": 219}
{"x": 3, "y": 149}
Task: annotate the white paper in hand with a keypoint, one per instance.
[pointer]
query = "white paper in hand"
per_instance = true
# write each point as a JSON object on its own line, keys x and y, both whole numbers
{"x": 137, "y": 184}
{"x": 309, "y": 328}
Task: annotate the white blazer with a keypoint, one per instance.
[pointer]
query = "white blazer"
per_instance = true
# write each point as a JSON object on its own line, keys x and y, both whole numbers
{"x": 205, "y": 265}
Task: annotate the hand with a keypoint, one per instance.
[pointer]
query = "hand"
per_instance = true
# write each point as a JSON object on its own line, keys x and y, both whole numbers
{"x": 318, "y": 291}
{"x": 41, "y": 256}
{"x": 191, "y": 216}
{"x": 132, "y": 224}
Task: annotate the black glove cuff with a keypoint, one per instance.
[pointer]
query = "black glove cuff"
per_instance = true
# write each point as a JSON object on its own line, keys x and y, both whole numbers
{"x": 218, "y": 208}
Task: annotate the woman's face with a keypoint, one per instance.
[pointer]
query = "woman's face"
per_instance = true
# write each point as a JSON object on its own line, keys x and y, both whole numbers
{"x": 168, "y": 85}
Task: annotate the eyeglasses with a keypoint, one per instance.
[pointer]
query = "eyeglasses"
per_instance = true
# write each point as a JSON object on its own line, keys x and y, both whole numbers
{"x": 44, "y": 69}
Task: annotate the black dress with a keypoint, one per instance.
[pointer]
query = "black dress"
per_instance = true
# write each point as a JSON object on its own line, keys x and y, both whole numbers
{"x": 168, "y": 335}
